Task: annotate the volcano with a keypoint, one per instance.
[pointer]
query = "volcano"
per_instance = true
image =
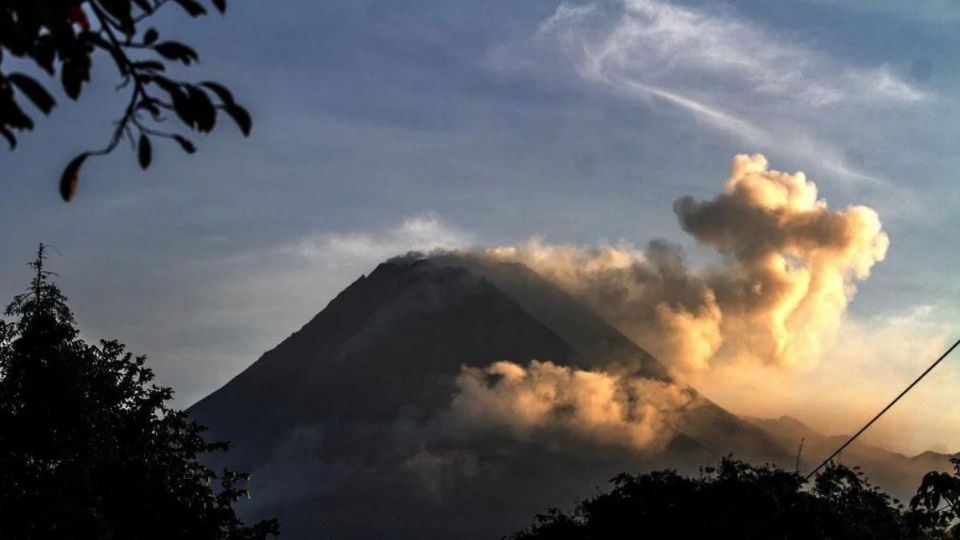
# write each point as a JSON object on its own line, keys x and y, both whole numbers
{"x": 346, "y": 425}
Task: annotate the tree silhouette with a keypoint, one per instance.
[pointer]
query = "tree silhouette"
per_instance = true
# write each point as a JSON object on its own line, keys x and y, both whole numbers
{"x": 937, "y": 502}
{"x": 88, "y": 446}
{"x": 737, "y": 500}
{"x": 62, "y": 37}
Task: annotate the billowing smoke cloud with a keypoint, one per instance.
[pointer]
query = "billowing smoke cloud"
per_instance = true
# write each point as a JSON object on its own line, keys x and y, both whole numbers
{"x": 789, "y": 268}
{"x": 543, "y": 397}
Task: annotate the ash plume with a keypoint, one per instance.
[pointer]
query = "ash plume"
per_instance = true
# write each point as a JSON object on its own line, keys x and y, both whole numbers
{"x": 788, "y": 269}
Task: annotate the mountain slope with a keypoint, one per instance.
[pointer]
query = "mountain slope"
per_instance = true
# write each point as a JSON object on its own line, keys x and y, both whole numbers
{"x": 345, "y": 423}
{"x": 348, "y": 425}
{"x": 387, "y": 346}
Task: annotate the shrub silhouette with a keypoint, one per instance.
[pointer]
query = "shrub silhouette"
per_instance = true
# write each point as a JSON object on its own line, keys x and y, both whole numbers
{"x": 737, "y": 500}
{"x": 88, "y": 446}
{"x": 937, "y": 502}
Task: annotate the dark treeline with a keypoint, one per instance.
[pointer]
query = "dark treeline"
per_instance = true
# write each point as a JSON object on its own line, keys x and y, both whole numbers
{"x": 738, "y": 500}
{"x": 89, "y": 448}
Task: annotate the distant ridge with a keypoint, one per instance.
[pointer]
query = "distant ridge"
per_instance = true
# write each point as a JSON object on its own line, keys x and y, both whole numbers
{"x": 898, "y": 474}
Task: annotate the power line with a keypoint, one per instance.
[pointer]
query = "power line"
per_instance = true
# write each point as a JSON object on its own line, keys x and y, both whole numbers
{"x": 885, "y": 409}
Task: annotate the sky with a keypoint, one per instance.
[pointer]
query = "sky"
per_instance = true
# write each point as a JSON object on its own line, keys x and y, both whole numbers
{"x": 382, "y": 127}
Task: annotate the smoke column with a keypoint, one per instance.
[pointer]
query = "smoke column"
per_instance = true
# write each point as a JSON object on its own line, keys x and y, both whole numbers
{"x": 789, "y": 267}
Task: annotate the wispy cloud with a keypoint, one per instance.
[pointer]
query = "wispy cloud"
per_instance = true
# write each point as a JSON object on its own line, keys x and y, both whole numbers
{"x": 725, "y": 70}
{"x": 418, "y": 233}
{"x": 648, "y": 39}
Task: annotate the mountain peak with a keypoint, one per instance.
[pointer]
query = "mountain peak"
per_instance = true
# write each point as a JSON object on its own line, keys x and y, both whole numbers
{"x": 390, "y": 343}
{"x": 356, "y": 410}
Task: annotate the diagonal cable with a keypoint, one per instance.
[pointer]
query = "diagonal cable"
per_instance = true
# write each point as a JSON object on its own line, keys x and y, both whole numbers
{"x": 885, "y": 409}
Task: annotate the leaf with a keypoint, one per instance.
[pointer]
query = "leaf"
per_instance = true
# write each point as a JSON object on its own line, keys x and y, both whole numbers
{"x": 183, "y": 108}
{"x": 144, "y": 151}
{"x": 15, "y": 117}
{"x": 33, "y": 90}
{"x": 173, "y": 50}
{"x": 241, "y": 117}
{"x": 43, "y": 53}
{"x": 150, "y": 105}
{"x": 226, "y": 97}
{"x": 191, "y": 7}
{"x": 166, "y": 84}
{"x": 74, "y": 72}
{"x": 203, "y": 111}
{"x": 6, "y": 134}
{"x": 149, "y": 65}
{"x": 221, "y": 5}
{"x": 70, "y": 80}
{"x": 71, "y": 177}
{"x": 184, "y": 143}
{"x": 150, "y": 36}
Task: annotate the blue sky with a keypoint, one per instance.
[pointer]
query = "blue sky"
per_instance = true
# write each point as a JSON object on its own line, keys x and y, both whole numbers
{"x": 385, "y": 126}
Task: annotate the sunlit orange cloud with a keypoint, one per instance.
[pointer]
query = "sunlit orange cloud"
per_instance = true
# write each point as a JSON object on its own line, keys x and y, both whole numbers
{"x": 860, "y": 371}
{"x": 605, "y": 406}
{"x": 788, "y": 271}
{"x": 758, "y": 331}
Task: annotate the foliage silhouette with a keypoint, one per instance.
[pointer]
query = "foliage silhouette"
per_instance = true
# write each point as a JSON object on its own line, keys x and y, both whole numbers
{"x": 937, "y": 502}
{"x": 737, "y": 500}
{"x": 88, "y": 446}
{"x": 63, "y": 36}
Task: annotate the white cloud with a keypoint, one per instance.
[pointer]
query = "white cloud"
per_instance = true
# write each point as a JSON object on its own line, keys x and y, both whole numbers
{"x": 766, "y": 88}
{"x": 419, "y": 233}
{"x": 646, "y": 40}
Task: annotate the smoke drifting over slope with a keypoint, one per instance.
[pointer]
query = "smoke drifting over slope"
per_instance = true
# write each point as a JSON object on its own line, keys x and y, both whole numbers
{"x": 789, "y": 268}
{"x": 601, "y": 406}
